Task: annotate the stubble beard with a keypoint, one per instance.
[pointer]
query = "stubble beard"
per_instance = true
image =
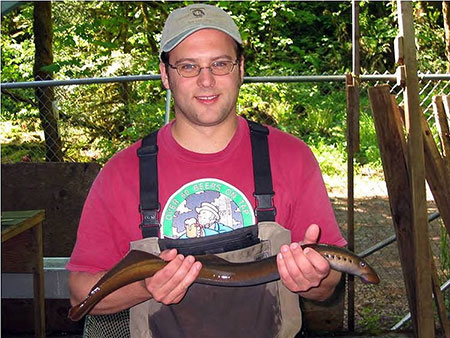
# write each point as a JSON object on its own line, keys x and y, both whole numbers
{"x": 193, "y": 117}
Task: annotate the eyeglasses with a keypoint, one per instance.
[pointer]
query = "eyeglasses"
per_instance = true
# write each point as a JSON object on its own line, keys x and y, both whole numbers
{"x": 218, "y": 68}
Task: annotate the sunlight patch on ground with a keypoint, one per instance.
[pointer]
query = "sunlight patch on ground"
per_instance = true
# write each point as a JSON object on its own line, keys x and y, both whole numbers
{"x": 364, "y": 186}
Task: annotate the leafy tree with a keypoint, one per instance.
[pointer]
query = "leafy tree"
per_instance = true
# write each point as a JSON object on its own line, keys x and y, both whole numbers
{"x": 108, "y": 39}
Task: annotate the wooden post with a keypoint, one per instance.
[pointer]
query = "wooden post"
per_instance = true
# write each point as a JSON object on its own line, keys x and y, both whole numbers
{"x": 352, "y": 105}
{"x": 416, "y": 170}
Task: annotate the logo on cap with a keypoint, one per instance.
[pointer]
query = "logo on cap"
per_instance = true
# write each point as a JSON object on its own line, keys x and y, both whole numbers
{"x": 198, "y": 12}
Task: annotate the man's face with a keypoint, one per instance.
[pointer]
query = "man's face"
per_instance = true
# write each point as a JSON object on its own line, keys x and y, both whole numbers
{"x": 207, "y": 99}
{"x": 205, "y": 218}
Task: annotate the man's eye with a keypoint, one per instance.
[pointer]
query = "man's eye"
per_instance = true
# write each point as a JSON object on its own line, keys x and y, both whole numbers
{"x": 187, "y": 67}
{"x": 220, "y": 64}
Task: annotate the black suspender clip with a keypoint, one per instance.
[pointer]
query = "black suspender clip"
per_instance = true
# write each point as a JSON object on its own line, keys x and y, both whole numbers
{"x": 149, "y": 217}
{"x": 264, "y": 206}
{"x": 150, "y": 223}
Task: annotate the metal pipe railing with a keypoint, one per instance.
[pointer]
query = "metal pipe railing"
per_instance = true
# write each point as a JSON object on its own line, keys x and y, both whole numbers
{"x": 247, "y": 79}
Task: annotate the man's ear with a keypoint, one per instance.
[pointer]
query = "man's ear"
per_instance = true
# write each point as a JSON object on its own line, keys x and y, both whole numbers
{"x": 164, "y": 75}
{"x": 242, "y": 68}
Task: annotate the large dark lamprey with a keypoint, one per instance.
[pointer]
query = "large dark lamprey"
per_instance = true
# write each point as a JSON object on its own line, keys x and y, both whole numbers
{"x": 138, "y": 265}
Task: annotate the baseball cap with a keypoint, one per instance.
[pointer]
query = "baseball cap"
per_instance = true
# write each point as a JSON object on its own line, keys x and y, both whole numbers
{"x": 182, "y": 22}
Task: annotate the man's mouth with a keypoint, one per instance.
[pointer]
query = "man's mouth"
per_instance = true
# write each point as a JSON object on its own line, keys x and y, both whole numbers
{"x": 207, "y": 98}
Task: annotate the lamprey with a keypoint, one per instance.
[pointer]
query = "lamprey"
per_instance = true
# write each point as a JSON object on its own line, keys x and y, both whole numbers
{"x": 138, "y": 265}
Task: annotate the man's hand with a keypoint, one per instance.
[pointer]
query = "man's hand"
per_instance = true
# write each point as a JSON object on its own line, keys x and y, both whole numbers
{"x": 300, "y": 270}
{"x": 169, "y": 285}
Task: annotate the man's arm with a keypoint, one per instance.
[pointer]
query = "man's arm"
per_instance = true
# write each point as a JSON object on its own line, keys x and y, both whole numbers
{"x": 306, "y": 271}
{"x": 80, "y": 283}
{"x": 168, "y": 286}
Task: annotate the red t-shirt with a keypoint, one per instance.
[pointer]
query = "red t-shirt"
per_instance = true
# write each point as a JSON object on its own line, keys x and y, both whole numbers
{"x": 201, "y": 195}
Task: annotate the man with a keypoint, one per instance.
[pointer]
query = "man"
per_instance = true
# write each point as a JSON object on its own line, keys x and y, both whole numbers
{"x": 205, "y": 156}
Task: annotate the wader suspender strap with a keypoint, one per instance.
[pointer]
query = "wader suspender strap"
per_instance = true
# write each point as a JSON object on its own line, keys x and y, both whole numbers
{"x": 148, "y": 178}
{"x": 265, "y": 210}
{"x": 148, "y": 181}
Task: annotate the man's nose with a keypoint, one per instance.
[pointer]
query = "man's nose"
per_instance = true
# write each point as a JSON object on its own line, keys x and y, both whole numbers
{"x": 206, "y": 78}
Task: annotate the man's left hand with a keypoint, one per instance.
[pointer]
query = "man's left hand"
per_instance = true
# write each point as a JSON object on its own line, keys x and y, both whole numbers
{"x": 302, "y": 269}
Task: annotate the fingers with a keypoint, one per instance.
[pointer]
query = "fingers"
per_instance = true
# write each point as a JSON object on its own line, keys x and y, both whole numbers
{"x": 169, "y": 285}
{"x": 312, "y": 234}
{"x": 169, "y": 254}
{"x": 301, "y": 270}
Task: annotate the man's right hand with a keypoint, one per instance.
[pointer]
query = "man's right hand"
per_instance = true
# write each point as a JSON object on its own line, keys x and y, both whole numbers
{"x": 169, "y": 285}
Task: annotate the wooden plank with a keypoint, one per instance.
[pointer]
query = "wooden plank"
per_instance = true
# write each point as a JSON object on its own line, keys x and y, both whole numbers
{"x": 38, "y": 283}
{"x": 352, "y": 91}
{"x": 440, "y": 302}
{"x": 391, "y": 140}
{"x": 437, "y": 175}
{"x": 15, "y": 222}
{"x": 441, "y": 108}
{"x": 446, "y": 135}
{"x": 18, "y": 253}
{"x": 441, "y": 119}
{"x": 416, "y": 170}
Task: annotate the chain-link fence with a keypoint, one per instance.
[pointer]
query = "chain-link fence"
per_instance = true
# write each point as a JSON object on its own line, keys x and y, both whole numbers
{"x": 91, "y": 121}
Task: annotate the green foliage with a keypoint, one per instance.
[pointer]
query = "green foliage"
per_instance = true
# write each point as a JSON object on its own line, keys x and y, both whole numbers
{"x": 378, "y": 28}
{"x": 114, "y": 38}
{"x": 371, "y": 321}
{"x": 369, "y": 153}
{"x": 430, "y": 39}
{"x": 331, "y": 157}
{"x": 17, "y": 45}
{"x": 445, "y": 260}
{"x": 285, "y": 38}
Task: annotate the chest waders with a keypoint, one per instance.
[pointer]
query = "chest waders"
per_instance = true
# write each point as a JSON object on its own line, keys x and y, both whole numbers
{"x": 263, "y": 311}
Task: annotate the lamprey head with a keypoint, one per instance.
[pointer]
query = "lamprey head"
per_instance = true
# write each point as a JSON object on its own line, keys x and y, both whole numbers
{"x": 368, "y": 274}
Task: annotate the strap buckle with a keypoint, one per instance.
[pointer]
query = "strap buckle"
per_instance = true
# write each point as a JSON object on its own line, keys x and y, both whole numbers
{"x": 264, "y": 204}
{"x": 149, "y": 217}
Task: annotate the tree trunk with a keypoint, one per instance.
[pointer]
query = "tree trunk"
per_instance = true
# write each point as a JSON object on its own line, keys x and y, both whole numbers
{"x": 446, "y": 15}
{"x": 420, "y": 12}
{"x": 125, "y": 87}
{"x": 43, "y": 40}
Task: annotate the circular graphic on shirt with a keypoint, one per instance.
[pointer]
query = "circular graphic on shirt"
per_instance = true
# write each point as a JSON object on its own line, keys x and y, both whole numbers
{"x": 205, "y": 207}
